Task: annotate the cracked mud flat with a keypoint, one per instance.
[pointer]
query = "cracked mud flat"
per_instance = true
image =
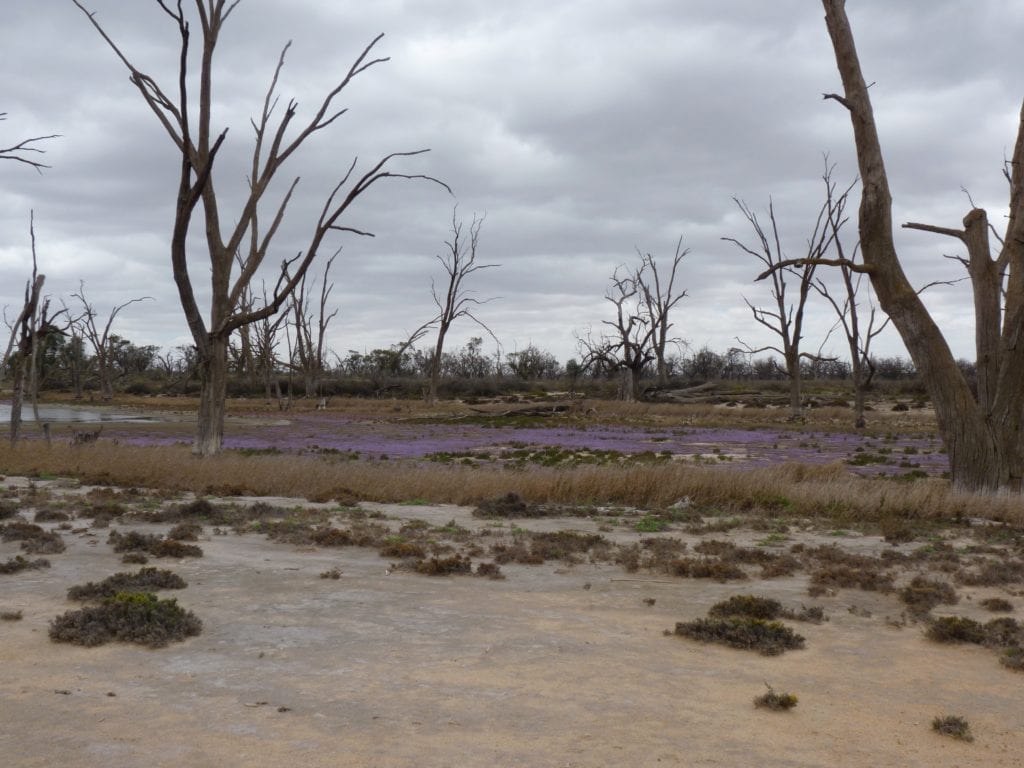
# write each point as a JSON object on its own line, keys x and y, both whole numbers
{"x": 382, "y": 668}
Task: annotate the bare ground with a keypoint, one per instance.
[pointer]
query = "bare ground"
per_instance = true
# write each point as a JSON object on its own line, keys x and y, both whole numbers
{"x": 554, "y": 666}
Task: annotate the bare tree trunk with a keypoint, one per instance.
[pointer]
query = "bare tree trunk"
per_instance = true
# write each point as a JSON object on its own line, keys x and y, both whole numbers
{"x": 796, "y": 407}
{"x": 17, "y": 398}
{"x": 213, "y": 377}
{"x": 983, "y": 437}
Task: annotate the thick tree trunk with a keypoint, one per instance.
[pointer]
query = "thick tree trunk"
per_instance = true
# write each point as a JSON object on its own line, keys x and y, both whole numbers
{"x": 629, "y": 385}
{"x": 983, "y": 440}
{"x": 796, "y": 408}
{"x": 213, "y": 376}
{"x": 435, "y": 365}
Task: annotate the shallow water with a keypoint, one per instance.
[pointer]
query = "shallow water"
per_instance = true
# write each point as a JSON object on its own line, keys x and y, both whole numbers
{"x": 62, "y": 414}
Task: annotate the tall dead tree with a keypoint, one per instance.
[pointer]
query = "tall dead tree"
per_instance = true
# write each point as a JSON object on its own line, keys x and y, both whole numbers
{"x": 21, "y": 356}
{"x": 660, "y": 297}
{"x": 188, "y": 121}
{"x": 459, "y": 264}
{"x": 786, "y": 318}
{"x": 982, "y": 433}
{"x": 860, "y": 327}
{"x": 309, "y": 355}
{"x": 100, "y": 338}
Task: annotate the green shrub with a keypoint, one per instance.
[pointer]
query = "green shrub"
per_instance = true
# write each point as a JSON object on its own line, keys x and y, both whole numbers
{"x": 145, "y": 580}
{"x": 769, "y": 637}
{"x": 954, "y": 726}
{"x": 777, "y": 702}
{"x": 130, "y": 617}
{"x": 956, "y": 629}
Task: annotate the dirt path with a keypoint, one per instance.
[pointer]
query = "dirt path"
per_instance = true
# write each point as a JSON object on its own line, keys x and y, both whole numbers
{"x": 397, "y": 669}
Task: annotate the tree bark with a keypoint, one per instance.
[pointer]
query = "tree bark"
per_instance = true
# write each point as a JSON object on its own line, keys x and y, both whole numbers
{"x": 213, "y": 377}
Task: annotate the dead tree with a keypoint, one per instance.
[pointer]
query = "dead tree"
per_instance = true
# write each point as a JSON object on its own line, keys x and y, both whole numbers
{"x": 459, "y": 263}
{"x": 630, "y": 345}
{"x": 859, "y": 329}
{"x": 660, "y": 298}
{"x": 983, "y": 433}
{"x": 100, "y": 339}
{"x": 25, "y": 150}
{"x": 786, "y": 318}
{"x": 188, "y": 121}
{"x": 309, "y": 356}
{"x": 22, "y": 354}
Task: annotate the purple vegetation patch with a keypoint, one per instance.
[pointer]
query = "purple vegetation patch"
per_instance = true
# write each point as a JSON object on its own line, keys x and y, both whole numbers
{"x": 329, "y": 434}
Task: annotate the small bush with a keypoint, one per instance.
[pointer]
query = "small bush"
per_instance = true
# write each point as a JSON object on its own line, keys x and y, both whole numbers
{"x": 997, "y": 605}
{"x": 131, "y": 617}
{"x": 771, "y": 638}
{"x": 50, "y": 516}
{"x": 445, "y": 566}
{"x": 706, "y": 568}
{"x": 187, "y": 531}
{"x": 145, "y": 580}
{"x": 489, "y": 570}
{"x": 993, "y": 573}
{"x": 1003, "y": 633}
{"x": 749, "y": 606}
{"x": 956, "y": 629}
{"x": 133, "y": 541}
{"x": 954, "y": 726}
{"x": 10, "y": 616}
{"x": 19, "y": 563}
{"x": 1013, "y": 658}
{"x": 921, "y": 595}
{"x": 331, "y": 537}
{"x": 34, "y": 539}
{"x": 777, "y": 702}
{"x": 333, "y": 573}
{"x": 838, "y": 576}
{"x": 508, "y": 506}
{"x": 134, "y": 558}
{"x": 398, "y": 547}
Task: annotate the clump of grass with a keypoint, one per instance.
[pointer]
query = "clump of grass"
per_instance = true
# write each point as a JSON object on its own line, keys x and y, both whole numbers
{"x": 953, "y": 726}
{"x": 771, "y": 638}
{"x": 921, "y": 595}
{"x": 151, "y": 544}
{"x": 19, "y": 563}
{"x": 145, "y": 580}
{"x": 997, "y": 605}
{"x": 332, "y": 573}
{"x": 650, "y": 524}
{"x": 956, "y": 629}
{"x": 134, "y": 558}
{"x": 35, "y": 540}
{"x": 456, "y": 565}
{"x": 777, "y": 702}
{"x": 131, "y": 617}
{"x": 10, "y": 616}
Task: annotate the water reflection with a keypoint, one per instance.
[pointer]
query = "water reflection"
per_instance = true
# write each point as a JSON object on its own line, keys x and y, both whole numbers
{"x": 64, "y": 414}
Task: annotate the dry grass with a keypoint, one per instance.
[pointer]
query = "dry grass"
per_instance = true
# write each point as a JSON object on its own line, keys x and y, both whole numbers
{"x": 810, "y": 491}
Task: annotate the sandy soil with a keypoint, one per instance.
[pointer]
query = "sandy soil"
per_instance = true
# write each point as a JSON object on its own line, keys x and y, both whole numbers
{"x": 555, "y": 666}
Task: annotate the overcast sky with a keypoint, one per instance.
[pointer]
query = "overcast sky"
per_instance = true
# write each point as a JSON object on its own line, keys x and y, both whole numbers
{"x": 583, "y": 129}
